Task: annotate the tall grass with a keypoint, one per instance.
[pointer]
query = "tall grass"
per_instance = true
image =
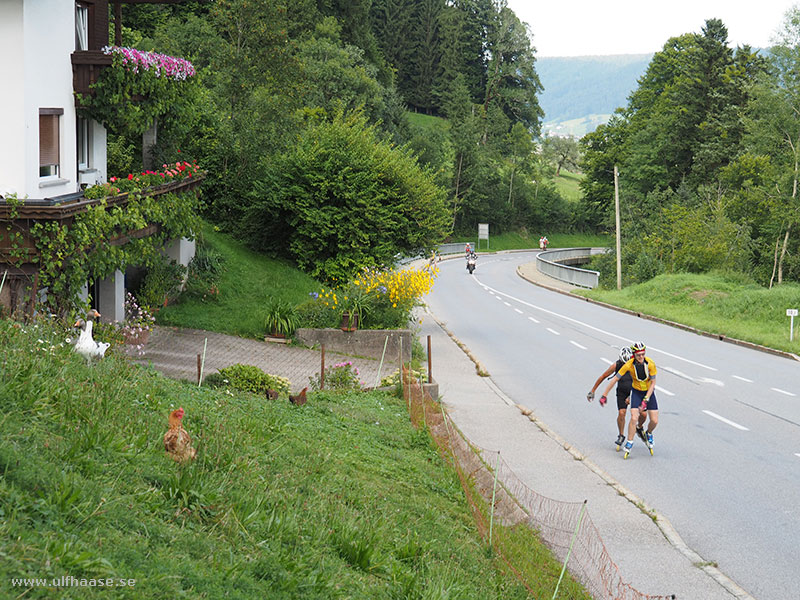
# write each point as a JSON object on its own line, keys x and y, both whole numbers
{"x": 567, "y": 184}
{"x": 720, "y": 303}
{"x": 341, "y": 498}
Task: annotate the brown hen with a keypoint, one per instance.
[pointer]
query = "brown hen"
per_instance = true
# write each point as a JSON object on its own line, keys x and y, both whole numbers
{"x": 177, "y": 441}
{"x": 300, "y": 399}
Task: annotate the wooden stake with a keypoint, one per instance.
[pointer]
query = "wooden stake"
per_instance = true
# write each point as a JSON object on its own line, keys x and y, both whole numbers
{"x": 322, "y": 370}
{"x": 430, "y": 375}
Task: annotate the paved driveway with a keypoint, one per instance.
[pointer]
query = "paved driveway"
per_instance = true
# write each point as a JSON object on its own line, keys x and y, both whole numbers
{"x": 173, "y": 351}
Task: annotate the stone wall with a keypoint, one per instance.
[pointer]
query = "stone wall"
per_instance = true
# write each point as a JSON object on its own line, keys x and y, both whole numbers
{"x": 362, "y": 342}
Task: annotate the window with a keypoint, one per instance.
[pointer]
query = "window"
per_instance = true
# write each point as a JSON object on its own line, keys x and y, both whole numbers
{"x": 49, "y": 141}
{"x": 81, "y": 27}
{"x": 84, "y": 143}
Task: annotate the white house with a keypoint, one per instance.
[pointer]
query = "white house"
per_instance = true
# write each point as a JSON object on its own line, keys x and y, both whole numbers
{"x": 51, "y": 49}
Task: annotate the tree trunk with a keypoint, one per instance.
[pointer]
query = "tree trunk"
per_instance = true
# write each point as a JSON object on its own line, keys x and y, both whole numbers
{"x": 510, "y": 188}
{"x": 783, "y": 253}
{"x": 458, "y": 182}
{"x": 774, "y": 261}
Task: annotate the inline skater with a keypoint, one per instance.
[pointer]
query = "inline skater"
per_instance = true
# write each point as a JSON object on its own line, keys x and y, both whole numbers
{"x": 623, "y": 393}
{"x": 643, "y": 397}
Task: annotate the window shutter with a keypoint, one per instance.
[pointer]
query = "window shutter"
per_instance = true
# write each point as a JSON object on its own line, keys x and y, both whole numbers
{"x": 48, "y": 140}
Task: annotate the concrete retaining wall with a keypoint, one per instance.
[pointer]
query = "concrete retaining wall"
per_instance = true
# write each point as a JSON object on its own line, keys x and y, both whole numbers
{"x": 363, "y": 342}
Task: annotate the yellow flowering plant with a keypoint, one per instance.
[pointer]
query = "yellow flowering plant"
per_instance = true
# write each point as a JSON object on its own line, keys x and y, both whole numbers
{"x": 384, "y": 298}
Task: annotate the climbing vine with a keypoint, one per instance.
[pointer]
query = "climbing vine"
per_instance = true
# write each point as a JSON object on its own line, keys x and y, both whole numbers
{"x": 107, "y": 236}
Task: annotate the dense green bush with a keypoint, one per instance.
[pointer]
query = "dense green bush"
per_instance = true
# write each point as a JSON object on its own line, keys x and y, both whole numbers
{"x": 248, "y": 378}
{"x": 342, "y": 199}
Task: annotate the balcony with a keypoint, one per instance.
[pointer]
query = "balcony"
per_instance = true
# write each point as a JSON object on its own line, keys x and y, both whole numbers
{"x": 86, "y": 68}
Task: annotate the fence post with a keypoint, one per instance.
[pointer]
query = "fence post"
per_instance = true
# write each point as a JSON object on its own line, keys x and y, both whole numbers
{"x": 571, "y": 542}
{"x": 400, "y": 373}
{"x": 494, "y": 493}
{"x": 202, "y": 363}
{"x": 322, "y": 369}
{"x": 198, "y": 368}
{"x": 380, "y": 366}
{"x": 430, "y": 375}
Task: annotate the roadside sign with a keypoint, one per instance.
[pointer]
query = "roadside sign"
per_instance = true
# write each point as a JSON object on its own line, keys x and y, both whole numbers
{"x": 791, "y": 313}
{"x": 483, "y": 233}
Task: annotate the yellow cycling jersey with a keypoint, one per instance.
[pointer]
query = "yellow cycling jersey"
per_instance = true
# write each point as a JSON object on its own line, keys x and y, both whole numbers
{"x": 640, "y": 372}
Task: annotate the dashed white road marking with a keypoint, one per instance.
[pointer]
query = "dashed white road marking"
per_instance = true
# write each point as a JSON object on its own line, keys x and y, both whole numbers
{"x": 743, "y": 379}
{"x": 663, "y": 391}
{"x": 727, "y": 421}
{"x": 553, "y": 331}
{"x": 797, "y": 454}
{"x": 608, "y": 362}
{"x": 578, "y": 345}
{"x": 532, "y": 319}
{"x": 506, "y": 303}
{"x": 588, "y": 326}
{"x": 709, "y": 380}
{"x": 519, "y": 311}
{"x": 780, "y": 391}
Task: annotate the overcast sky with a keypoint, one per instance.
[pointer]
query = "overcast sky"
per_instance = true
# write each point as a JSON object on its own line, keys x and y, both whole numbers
{"x": 598, "y": 27}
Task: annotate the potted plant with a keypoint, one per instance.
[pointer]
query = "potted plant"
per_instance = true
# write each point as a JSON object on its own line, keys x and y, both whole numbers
{"x": 357, "y": 304}
{"x": 281, "y": 319}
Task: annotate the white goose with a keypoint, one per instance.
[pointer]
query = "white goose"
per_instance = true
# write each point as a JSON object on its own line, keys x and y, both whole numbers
{"x": 86, "y": 346}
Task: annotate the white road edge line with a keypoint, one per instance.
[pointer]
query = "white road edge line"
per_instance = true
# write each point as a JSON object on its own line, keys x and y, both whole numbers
{"x": 724, "y": 420}
{"x": 743, "y": 379}
{"x": 553, "y": 331}
{"x": 782, "y": 392}
{"x": 604, "y": 332}
{"x": 578, "y": 345}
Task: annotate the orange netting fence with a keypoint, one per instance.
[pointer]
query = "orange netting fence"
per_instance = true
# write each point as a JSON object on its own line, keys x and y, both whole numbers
{"x": 563, "y": 527}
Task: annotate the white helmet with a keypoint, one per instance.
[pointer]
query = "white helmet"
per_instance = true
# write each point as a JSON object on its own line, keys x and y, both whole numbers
{"x": 625, "y": 354}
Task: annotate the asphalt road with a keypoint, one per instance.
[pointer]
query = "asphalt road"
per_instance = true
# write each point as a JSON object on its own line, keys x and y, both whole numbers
{"x": 726, "y": 470}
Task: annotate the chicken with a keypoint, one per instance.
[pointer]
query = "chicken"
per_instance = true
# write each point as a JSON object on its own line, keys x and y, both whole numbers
{"x": 272, "y": 394}
{"x": 177, "y": 441}
{"x": 85, "y": 345}
{"x": 300, "y": 399}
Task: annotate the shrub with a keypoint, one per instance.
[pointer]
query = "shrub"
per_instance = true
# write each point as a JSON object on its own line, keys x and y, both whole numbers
{"x": 341, "y": 377}
{"x": 317, "y": 315}
{"x": 248, "y": 378}
{"x": 163, "y": 280}
{"x": 204, "y": 272}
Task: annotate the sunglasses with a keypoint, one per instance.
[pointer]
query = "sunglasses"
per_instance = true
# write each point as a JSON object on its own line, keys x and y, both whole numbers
{"x": 639, "y": 353}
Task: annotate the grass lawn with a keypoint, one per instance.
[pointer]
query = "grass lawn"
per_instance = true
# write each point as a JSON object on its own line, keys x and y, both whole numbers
{"x": 248, "y": 281}
{"x": 339, "y": 498}
{"x": 718, "y": 303}
{"x": 567, "y": 185}
{"x": 519, "y": 241}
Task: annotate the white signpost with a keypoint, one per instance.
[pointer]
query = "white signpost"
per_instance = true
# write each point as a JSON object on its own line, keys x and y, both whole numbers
{"x": 483, "y": 233}
{"x": 791, "y": 313}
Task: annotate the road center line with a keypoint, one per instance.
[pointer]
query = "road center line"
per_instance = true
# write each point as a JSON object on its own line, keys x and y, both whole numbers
{"x": 743, "y": 379}
{"x": 608, "y": 362}
{"x": 506, "y": 303}
{"x": 663, "y": 391}
{"x": 532, "y": 319}
{"x": 578, "y": 345}
{"x": 604, "y": 332}
{"x": 519, "y": 311}
{"x": 553, "y": 331}
{"x": 727, "y": 421}
{"x": 782, "y": 392}
{"x": 797, "y": 454}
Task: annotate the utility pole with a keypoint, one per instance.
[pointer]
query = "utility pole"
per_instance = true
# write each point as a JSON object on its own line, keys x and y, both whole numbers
{"x": 616, "y": 215}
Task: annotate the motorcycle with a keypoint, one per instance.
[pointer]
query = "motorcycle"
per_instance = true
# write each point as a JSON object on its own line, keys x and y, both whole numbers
{"x": 471, "y": 260}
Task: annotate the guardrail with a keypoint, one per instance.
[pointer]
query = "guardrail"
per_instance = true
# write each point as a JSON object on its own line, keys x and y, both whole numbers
{"x": 550, "y": 262}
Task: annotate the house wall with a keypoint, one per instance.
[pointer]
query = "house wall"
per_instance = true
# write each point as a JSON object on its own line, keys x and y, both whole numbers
{"x": 43, "y": 33}
{"x": 12, "y": 99}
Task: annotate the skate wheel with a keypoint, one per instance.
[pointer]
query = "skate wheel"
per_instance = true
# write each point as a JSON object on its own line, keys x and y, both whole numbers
{"x": 652, "y": 453}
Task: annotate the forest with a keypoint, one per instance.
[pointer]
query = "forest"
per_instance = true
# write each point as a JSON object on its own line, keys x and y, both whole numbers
{"x": 339, "y": 134}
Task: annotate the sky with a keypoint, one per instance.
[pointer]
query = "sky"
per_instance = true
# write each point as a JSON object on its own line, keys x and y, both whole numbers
{"x": 601, "y": 27}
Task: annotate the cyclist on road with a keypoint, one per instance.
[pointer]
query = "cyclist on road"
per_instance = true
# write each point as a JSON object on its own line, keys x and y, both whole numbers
{"x": 623, "y": 393}
{"x": 643, "y": 398}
